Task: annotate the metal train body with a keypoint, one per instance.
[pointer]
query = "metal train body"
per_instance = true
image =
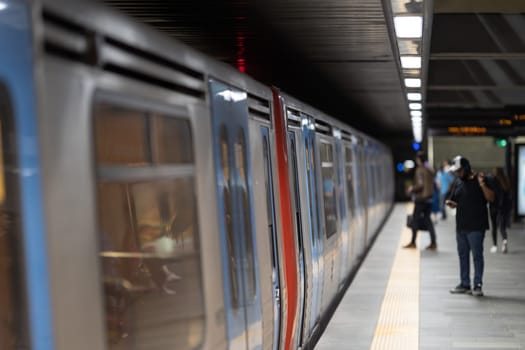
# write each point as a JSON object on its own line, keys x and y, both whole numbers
{"x": 154, "y": 198}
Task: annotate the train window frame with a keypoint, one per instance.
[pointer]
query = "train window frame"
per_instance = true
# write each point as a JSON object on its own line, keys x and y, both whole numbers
{"x": 16, "y": 311}
{"x": 154, "y": 173}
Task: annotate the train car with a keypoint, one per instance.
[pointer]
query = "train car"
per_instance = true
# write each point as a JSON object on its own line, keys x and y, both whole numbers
{"x": 155, "y": 198}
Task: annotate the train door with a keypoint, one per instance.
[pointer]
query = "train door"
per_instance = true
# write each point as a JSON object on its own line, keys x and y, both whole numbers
{"x": 233, "y": 172}
{"x": 314, "y": 234}
{"x": 328, "y": 214}
{"x": 13, "y": 309}
{"x": 360, "y": 191}
{"x": 371, "y": 215}
{"x": 352, "y": 218}
{"x": 264, "y": 137}
{"x": 342, "y": 208}
{"x": 26, "y": 320}
{"x": 299, "y": 228}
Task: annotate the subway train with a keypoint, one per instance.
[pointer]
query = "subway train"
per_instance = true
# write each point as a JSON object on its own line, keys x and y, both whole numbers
{"x": 155, "y": 198}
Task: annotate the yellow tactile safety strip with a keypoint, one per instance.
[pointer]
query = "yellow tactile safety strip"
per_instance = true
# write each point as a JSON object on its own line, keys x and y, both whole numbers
{"x": 398, "y": 324}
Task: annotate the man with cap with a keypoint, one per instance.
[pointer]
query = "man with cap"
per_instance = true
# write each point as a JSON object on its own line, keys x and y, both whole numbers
{"x": 469, "y": 195}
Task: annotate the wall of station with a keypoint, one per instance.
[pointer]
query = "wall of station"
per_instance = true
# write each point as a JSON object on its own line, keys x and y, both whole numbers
{"x": 483, "y": 153}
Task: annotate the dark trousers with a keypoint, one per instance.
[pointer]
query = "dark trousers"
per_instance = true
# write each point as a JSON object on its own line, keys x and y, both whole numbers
{"x": 498, "y": 218}
{"x": 425, "y": 208}
{"x": 443, "y": 206}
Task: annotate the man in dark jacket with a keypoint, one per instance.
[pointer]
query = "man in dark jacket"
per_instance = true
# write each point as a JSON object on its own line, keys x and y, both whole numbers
{"x": 470, "y": 194}
{"x": 422, "y": 192}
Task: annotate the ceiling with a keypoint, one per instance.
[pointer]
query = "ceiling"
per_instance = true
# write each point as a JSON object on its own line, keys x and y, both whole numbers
{"x": 341, "y": 56}
{"x": 476, "y": 74}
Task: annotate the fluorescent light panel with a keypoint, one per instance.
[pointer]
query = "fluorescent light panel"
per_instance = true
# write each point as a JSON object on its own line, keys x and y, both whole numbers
{"x": 408, "y": 26}
{"x": 415, "y": 105}
{"x": 414, "y": 96}
{"x": 412, "y": 82}
{"x": 418, "y": 134}
{"x": 411, "y": 61}
{"x": 416, "y": 113}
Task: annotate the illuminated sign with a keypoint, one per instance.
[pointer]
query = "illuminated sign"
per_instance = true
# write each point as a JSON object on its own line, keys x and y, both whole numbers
{"x": 467, "y": 130}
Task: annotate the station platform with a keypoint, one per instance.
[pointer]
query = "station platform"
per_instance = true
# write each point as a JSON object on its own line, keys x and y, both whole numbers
{"x": 400, "y": 298}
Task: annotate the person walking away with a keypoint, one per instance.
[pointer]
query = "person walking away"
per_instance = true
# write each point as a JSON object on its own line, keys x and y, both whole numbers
{"x": 422, "y": 193}
{"x": 445, "y": 179}
{"x": 469, "y": 196}
{"x": 500, "y": 210}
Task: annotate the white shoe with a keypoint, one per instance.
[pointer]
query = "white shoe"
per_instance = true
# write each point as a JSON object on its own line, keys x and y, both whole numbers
{"x": 170, "y": 276}
{"x": 168, "y": 290}
{"x": 504, "y": 248}
{"x": 494, "y": 249}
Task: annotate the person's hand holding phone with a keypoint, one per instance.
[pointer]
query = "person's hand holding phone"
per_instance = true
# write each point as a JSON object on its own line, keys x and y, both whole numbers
{"x": 451, "y": 204}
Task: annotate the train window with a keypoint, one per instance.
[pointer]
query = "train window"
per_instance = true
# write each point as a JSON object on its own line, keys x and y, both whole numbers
{"x": 328, "y": 188}
{"x": 131, "y": 137}
{"x": 349, "y": 170}
{"x": 228, "y": 213}
{"x": 149, "y": 237}
{"x": 13, "y": 323}
{"x": 171, "y": 140}
{"x": 242, "y": 164}
{"x": 121, "y": 136}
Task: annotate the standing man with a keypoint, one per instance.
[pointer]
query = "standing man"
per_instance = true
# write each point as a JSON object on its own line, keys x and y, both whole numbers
{"x": 422, "y": 192}
{"x": 470, "y": 194}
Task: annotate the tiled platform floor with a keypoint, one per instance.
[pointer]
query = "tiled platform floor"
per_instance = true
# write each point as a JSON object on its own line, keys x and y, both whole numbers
{"x": 446, "y": 321}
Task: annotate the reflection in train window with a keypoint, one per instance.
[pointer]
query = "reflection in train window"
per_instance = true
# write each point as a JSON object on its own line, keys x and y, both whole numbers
{"x": 242, "y": 164}
{"x": 166, "y": 132}
{"x": 328, "y": 188}
{"x": 228, "y": 217}
{"x": 13, "y": 322}
{"x": 149, "y": 237}
{"x": 121, "y": 136}
{"x": 349, "y": 170}
{"x": 129, "y": 137}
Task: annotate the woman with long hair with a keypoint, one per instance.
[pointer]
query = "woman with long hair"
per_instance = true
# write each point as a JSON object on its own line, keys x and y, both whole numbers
{"x": 500, "y": 210}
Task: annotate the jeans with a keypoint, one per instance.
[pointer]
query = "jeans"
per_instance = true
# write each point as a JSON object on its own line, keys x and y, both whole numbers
{"x": 442, "y": 205}
{"x": 470, "y": 241}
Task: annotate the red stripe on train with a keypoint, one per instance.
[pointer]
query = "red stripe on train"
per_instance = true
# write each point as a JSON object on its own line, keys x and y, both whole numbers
{"x": 287, "y": 227}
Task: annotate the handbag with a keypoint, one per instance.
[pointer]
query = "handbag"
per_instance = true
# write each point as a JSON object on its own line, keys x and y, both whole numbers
{"x": 420, "y": 223}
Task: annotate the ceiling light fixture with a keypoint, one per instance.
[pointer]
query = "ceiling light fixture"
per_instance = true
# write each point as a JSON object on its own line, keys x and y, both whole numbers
{"x": 3, "y": 5}
{"x": 415, "y": 105}
{"x": 418, "y": 133}
{"x": 408, "y": 26}
{"x": 416, "y": 114}
{"x": 412, "y": 82}
{"x": 414, "y": 96}
{"x": 411, "y": 61}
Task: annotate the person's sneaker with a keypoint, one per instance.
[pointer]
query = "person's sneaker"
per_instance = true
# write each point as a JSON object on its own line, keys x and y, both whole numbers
{"x": 477, "y": 292}
{"x": 504, "y": 248}
{"x": 461, "y": 289}
{"x": 494, "y": 249}
{"x": 431, "y": 246}
{"x": 410, "y": 245}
